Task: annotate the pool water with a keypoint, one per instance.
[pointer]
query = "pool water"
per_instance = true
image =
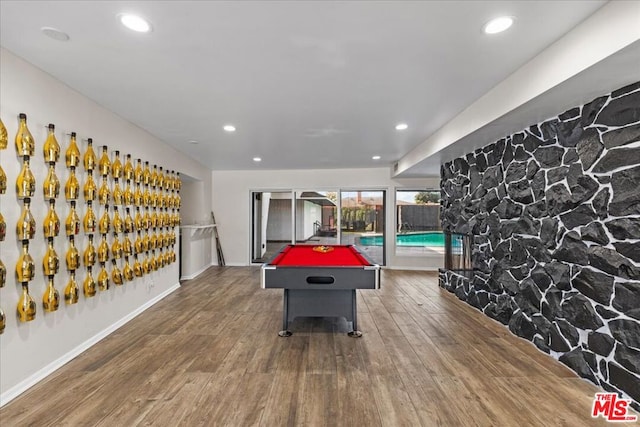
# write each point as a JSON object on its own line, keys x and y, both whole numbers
{"x": 428, "y": 238}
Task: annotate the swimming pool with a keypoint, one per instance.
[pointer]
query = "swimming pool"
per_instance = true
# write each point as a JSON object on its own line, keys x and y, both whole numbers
{"x": 426, "y": 238}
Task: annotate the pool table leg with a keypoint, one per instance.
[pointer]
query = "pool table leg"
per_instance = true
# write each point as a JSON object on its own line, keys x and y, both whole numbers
{"x": 285, "y": 314}
{"x": 354, "y": 313}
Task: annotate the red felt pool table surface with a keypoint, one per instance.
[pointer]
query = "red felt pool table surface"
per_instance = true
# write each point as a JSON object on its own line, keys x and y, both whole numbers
{"x": 306, "y": 256}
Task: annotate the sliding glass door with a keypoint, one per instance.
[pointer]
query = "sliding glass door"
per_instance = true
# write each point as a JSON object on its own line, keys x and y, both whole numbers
{"x": 362, "y": 221}
{"x": 316, "y": 217}
{"x": 271, "y": 222}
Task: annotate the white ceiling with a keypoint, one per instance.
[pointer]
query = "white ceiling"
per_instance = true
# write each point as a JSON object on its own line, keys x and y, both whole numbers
{"x": 307, "y": 84}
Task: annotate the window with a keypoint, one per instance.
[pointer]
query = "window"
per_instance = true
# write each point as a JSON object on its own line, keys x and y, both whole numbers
{"x": 418, "y": 227}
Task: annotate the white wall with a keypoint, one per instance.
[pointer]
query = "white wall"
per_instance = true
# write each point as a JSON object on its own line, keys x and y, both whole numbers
{"x": 231, "y": 201}
{"x": 30, "y": 350}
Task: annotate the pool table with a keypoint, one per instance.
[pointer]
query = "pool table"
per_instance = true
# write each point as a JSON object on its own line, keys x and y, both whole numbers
{"x": 320, "y": 281}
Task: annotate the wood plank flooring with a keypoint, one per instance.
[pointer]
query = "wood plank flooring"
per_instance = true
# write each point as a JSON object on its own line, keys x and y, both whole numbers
{"x": 209, "y": 355}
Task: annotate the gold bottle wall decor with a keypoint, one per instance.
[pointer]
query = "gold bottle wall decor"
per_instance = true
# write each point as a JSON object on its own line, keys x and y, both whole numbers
{"x": 51, "y": 297}
{"x": 90, "y": 160}
{"x": 116, "y": 166}
{"x": 116, "y": 274}
{"x": 25, "y": 144}
{"x": 104, "y": 194}
{"x": 73, "y": 256}
{"x": 71, "y": 291}
{"x": 51, "y": 225}
{"x": 4, "y": 136}
{"x": 51, "y": 148}
{"x": 137, "y": 196}
{"x": 103, "y": 250}
{"x": 72, "y": 224}
{"x": 89, "y": 255}
{"x": 129, "y": 224}
{"x": 127, "y": 247}
{"x": 3, "y": 181}
{"x": 51, "y": 185}
{"x": 104, "y": 165}
{"x": 116, "y": 247}
{"x": 103, "y": 278}
{"x": 128, "y": 194}
{"x": 89, "y": 285}
{"x": 3, "y": 228}
{"x": 146, "y": 174}
{"x": 90, "y": 220}
{"x": 26, "y": 182}
{"x": 104, "y": 225}
{"x": 90, "y": 189}
{"x": 72, "y": 186}
{"x": 137, "y": 267}
{"x": 26, "y": 226}
{"x": 138, "y": 172}
{"x": 72, "y": 155}
{"x": 117, "y": 193}
{"x": 128, "y": 170}
{"x": 118, "y": 223}
{"x": 50, "y": 262}
{"x": 3, "y": 274}
{"x": 127, "y": 271}
{"x": 25, "y": 267}
{"x": 26, "y": 305}
{"x": 3, "y": 321}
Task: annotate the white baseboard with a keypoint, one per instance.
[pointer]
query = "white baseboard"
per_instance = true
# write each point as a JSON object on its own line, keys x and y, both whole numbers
{"x": 399, "y": 267}
{"x": 38, "y": 376}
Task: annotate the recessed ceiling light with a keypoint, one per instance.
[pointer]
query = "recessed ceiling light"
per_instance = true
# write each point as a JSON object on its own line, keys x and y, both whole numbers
{"x": 376, "y": 157}
{"x": 229, "y": 128}
{"x": 498, "y": 25}
{"x": 257, "y": 159}
{"x": 134, "y": 22}
{"x": 401, "y": 126}
{"x": 193, "y": 141}
{"x": 55, "y": 34}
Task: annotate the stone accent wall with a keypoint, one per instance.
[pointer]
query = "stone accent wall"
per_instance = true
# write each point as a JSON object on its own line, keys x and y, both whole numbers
{"x": 555, "y": 215}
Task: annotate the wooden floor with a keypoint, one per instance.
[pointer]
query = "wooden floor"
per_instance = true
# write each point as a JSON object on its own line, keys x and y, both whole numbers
{"x": 209, "y": 354}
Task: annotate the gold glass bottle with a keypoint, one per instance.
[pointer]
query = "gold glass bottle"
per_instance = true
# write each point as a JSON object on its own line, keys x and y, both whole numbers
{"x": 127, "y": 246}
{"x": 51, "y": 297}
{"x": 72, "y": 186}
{"x": 167, "y": 182}
{"x": 26, "y": 305}
{"x": 137, "y": 244}
{"x": 51, "y": 148}
{"x": 90, "y": 221}
{"x": 127, "y": 171}
{"x": 26, "y": 182}
{"x": 25, "y": 267}
{"x": 153, "y": 240}
{"x": 103, "y": 278}
{"x": 103, "y": 250}
{"x": 50, "y": 262}
{"x": 153, "y": 261}
{"x": 3, "y": 274}
{"x": 137, "y": 196}
{"x": 3, "y": 228}
{"x": 146, "y": 264}
{"x": 73, "y": 256}
{"x": 3, "y": 319}
{"x": 145, "y": 242}
{"x": 51, "y": 225}
{"x": 127, "y": 197}
{"x": 89, "y": 255}
{"x": 104, "y": 165}
{"x": 137, "y": 267}
{"x": 118, "y": 223}
{"x": 177, "y": 202}
{"x": 104, "y": 225}
{"x": 129, "y": 225}
{"x": 146, "y": 197}
{"x": 90, "y": 189}
{"x": 116, "y": 274}
{"x": 153, "y": 179}
{"x": 72, "y": 155}
{"x": 89, "y": 285}
{"x": 146, "y": 174}
{"x": 154, "y": 219}
{"x": 117, "y": 194}
{"x": 51, "y": 186}
{"x": 25, "y": 145}
{"x": 71, "y": 292}
{"x": 116, "y": 166}
{"x": 116, "y": 247}
{"x": 146, "y": 220}
{"x": 138, "y": 172}
{"x": 26, "y": 226}
{"x": 178, "y": 183}
{"x": 154, "y": 199}
{"x": 127, "y": 271}
{"x": 160, "y": 183}
{"x": 90, "y": 159}
{"x": 72, "y": 224}
{"x": 160, "y": 259}
{"x": 139, "y": 221}
{"x": 104, "y": 194}
{"x": 4, "y": 136}
{"x": 3, "y": 181}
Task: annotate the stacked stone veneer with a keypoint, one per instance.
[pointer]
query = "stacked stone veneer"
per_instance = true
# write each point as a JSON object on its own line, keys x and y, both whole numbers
{"x": 554, "y": 212}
